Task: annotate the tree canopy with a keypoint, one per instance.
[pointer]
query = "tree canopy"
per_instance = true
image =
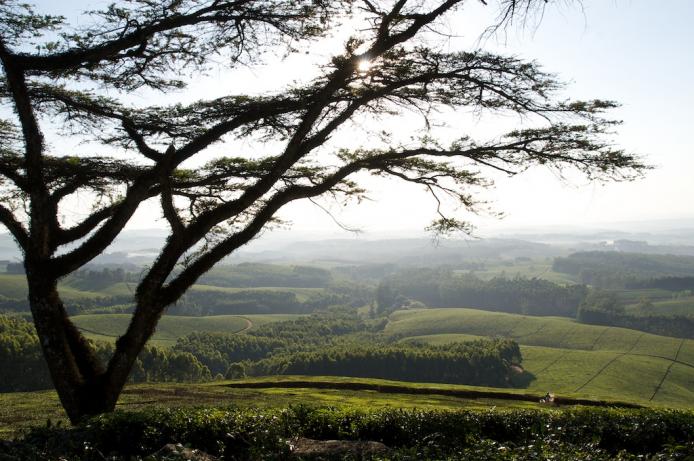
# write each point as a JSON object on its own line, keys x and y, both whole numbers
{"x": 77, "y": 79}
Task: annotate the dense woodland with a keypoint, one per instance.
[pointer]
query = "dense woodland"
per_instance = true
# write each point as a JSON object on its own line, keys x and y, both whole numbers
{"x": 335, "y": 343}
{"x": 606, "y": 308}
{"x": 24, "y": 368}
{"x": 256, "y": 288}
{"x": 680, "y": 326}
{"x": 444, "y": 288}
{"x": 267, "y": 275}
{"x": 480, "y": 363}
{"x": 612, "y": 269}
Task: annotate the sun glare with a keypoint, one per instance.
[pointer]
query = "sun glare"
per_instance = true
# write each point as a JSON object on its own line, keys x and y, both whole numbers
{"x": 364, "y": 66}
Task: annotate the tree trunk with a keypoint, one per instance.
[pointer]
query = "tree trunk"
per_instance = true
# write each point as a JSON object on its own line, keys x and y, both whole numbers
{"x": 77, "y": 375}
{"x": 142, "y": 326}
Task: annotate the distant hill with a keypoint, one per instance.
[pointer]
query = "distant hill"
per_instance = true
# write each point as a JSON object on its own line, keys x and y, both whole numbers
{"x": 139, "y": 247}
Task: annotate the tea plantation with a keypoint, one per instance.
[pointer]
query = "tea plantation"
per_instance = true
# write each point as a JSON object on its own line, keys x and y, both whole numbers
{"x": 567, "y": 357}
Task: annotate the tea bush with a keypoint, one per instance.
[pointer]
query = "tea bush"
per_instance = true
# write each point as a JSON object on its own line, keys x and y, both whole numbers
{"x": 233, "y": 433}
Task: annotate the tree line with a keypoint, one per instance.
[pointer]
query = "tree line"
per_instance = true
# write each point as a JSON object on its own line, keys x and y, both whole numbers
{"x": 338, "y": 343}
{"x": 480, "y": 363}
{"x": 441, "y": 287}
{"x": 254, "y": 301}
{"x": 605, "y": 308}
{"x": 680, "y": 326}
{"x": 24, "y": 368}
{"x": 247, "y": 275}
{"x": 343, "y": 344}
{"x": 612, "y": 269}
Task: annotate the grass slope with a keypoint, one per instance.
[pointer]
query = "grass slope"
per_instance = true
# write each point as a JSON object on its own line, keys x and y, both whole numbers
{"x": 678, "y": 306}
{"x": 14, "y": 286}
{"x": 107, "y": 327}
{"x": 536, "y": 268}
{"x": 570, "y": 358}
{"x": 302, "y": 294}
{"x": 20, "y": 410}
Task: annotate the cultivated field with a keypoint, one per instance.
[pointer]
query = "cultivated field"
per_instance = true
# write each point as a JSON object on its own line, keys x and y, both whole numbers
{"x": 676, "y": 306}
{"x": 108, "y": 327}
{"x": 536, "y": 268}
{"x": 20, "y": 410}
{"x": 570, "y": 358}
{"x": 14, "y": 286}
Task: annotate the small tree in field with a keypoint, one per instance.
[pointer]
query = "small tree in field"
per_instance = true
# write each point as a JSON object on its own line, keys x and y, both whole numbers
{"x": 77, "y": 80}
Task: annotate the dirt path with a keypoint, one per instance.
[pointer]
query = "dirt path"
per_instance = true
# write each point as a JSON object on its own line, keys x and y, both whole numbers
{"x": 248, "y": 326}
{"x": 602, "y": 333}
{"x": 610, "y": 362}
{"x": 533, "y": 333}
{"x": 667, "y": 372}
{"x": 97, "y": 332}
{"x": 555, "y": 361}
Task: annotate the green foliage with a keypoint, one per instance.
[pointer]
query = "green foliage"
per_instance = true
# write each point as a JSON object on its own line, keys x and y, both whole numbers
{"x": 664, "y": 283}
{"x": 24, "y": 367}
{"x": 412, "y": 434}
{"x": 266, "y": 275}
{"x": 336, "y": 343}
{"x": 21, "y": 359}
{"x": 13, "y": 289}
{"x": 681, "y": 326}
{"x": 342, "y": 344}
{"x": 208, "y": 300}
{"x": 681, "y": 303}
{"x": 220, "y": 351}
{"x": 606, "y": 308}
{"x": 240, "y": 289}
{"x": 441, "y": 288}
{"x": 611, "y": 269}
{"x": 108, "y": 327}
{"x": 481, "y": 363}
{"x": 603, "y": 300}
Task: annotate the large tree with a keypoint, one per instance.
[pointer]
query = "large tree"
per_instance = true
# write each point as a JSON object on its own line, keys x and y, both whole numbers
{"x": 79, "y": 80}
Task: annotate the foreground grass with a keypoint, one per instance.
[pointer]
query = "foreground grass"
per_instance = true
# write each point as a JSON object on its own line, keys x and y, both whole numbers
{"x": 22, "y": 410}
{"x": 262, "y": 433}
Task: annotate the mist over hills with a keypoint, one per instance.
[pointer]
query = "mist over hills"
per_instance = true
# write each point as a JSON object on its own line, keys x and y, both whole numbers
{"x": 139, "y": 247}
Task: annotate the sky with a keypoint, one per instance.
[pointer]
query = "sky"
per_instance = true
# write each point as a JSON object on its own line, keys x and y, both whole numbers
{"x": 637, "y": 52}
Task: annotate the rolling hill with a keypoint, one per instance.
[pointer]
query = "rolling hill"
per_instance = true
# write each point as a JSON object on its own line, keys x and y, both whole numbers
{"x": 107, "y": 327}
{"x": 567, "y": 357}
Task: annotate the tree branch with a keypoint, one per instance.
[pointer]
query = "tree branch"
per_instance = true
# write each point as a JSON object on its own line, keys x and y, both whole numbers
{"x": 15, "y": 227}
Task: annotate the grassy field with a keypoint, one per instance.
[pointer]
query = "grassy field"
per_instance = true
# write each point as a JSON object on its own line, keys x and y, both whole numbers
{"x": 677, "y": 306}
{"x": 634, "y": 295}
{"x": 570, "y": 358}
{"x": 72, "y": 289}
{"x": 302, "y": 294}
{"x": 536, "y": 268}
{"x": 15, "y": 286}
{"x": 107, "y": 327}
{"x": 20, "y": 410}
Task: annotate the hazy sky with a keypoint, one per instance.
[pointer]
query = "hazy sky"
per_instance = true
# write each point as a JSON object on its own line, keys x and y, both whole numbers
{"x": 637, "y": 52}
